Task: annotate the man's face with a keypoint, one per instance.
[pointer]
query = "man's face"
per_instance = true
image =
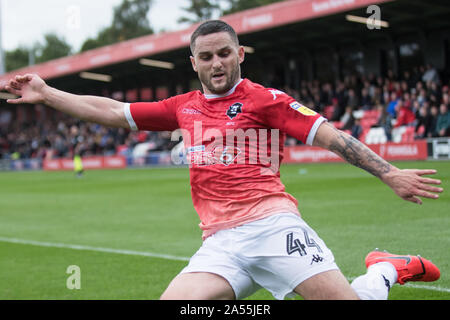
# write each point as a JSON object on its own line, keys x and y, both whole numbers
{"x": 217, "y": 60}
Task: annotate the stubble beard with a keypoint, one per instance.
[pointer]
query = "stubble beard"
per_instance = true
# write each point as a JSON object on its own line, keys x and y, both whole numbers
{"x": 231, "y": 80}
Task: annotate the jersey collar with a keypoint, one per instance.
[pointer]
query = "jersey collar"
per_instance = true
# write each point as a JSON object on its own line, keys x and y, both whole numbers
{"x": 230, "y": 92}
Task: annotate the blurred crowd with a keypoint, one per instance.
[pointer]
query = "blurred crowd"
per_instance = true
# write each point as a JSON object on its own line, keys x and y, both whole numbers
{"x": 417, "y": 99}
{"x": 66, "y": 137}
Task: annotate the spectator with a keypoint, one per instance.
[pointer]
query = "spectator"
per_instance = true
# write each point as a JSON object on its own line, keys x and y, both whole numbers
{"x": 357, "y": 128}
{"x": 407, "y": 100}
{"x": 445, "y": 90}
{"x": 341, "y": 97}
{"x": 424, "y": 123}
{"x": 378, "y": 96}
{"x": 396, "y": 87}
{"x": 434, "y": 116}
{"x": 347, "y": 121}
{"x": 352, "y": 99}
{"x": 391, "y": 108}
{"x": 415, "y": 75}
{"x": 422, "y": 96}
{"x": 391, "y": 75}
{"x": 326, "y": 94}
{"x": 409, "y": 79}
{"x": 431, "y": 75}
{"x": 404, "y": 87}
{"x": 109, "y": 146}
{"x": 446, "y": 99}
{"x": 405, "y": 116}
{"x": 384, "y": 121}
{"x": 366, "y": 99}
{"x": 434, "y": 93}
{"x": 443, "y": 121}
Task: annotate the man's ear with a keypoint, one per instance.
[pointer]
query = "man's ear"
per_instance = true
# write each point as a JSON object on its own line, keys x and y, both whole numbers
{"x": 194, "y": 66}
{"x": 241, "y": 53}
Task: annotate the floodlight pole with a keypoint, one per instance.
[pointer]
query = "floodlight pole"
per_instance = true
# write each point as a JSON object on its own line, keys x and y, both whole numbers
{"x": 2, "y": 57}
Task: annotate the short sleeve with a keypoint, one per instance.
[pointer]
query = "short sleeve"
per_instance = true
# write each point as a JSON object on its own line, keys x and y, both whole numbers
{"x": 281, "y": 111}
{"x": 152, "y": 116}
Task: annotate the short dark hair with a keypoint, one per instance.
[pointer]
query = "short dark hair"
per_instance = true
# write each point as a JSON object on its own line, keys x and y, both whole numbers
{"x": 213, "y": 26}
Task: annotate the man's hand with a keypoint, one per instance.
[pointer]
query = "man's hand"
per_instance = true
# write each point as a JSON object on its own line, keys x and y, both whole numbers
{"x": 28, "y": 87}
{"x": 409, "y": 184}
{"x": 32, "y": 89}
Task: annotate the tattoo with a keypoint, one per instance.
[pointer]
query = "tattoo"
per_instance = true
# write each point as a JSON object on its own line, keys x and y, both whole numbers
{"x": 358, "y": 154}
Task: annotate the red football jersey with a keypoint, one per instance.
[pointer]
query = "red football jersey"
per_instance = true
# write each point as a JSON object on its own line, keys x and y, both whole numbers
{"x": 234, "y": 146}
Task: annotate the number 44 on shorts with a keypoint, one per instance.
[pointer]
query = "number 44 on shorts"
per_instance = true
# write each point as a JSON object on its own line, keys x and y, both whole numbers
{"x": 295, "y": 245}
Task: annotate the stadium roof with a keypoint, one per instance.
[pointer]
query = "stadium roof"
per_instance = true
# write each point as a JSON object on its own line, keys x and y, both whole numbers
{"x": 283, "y": 26}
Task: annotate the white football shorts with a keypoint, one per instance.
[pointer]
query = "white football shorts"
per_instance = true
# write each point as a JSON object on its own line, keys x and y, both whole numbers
{"x": 276, "y": 253}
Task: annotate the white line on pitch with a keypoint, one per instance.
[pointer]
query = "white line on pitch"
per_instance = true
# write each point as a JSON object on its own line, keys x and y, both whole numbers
{"x": 416, "y": 286}
{"x": 156, "y": 255}
{"x": 426, "y": 287}
{"x": 89, "y": 248}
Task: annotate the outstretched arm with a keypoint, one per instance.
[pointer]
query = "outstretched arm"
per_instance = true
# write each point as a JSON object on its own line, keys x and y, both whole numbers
{"x": 407, "y": 184}
{"x": 32, "y": 89}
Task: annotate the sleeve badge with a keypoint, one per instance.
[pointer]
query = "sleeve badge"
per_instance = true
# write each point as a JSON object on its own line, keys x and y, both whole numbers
{"x": 302, "y": 109}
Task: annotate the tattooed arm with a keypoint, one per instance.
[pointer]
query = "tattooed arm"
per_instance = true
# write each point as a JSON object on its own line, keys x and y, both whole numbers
{"x": 407, "y": 184}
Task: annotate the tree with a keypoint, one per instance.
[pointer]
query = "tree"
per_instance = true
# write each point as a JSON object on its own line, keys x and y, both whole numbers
{"x": 129, "y": 21}
{"x": 240, "y": 5}
{"x": 104, "y": 37}
{"x": 200, "y": 10}
{"x": 53, "y": 47}
{"x": 16, "y": 59}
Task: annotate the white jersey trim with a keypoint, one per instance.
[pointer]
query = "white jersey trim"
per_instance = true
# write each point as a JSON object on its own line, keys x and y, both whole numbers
{"x": 230, "y": 92}
{"x": 129, "y": 117}
{"x": 313, "y": 131}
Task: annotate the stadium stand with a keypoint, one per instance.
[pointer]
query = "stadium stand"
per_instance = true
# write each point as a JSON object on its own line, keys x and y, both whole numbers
{"x": 60, "y": 136}
{"x": 324, "y": 77}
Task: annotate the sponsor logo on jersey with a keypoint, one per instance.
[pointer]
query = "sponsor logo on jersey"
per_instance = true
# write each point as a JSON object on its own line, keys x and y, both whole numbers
{"x": 219, "y": 155}
{"x": 228, "y": 147}
{"x": 234, "y": 110}
{"x": 302, "y": 109}
{"x": 190, "y": 111}
{"x": 227, "y": 155}
{"x": 196, "y": 148}
{"x": 276, "y": 93}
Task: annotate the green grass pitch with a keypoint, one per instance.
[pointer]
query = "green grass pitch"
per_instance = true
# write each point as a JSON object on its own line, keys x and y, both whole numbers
{"x": 143, "y": 212}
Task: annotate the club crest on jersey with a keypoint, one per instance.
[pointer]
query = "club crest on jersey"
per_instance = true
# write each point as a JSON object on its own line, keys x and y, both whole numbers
{"x": 302, "y": 109}
{"x": 234, "y": 110}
